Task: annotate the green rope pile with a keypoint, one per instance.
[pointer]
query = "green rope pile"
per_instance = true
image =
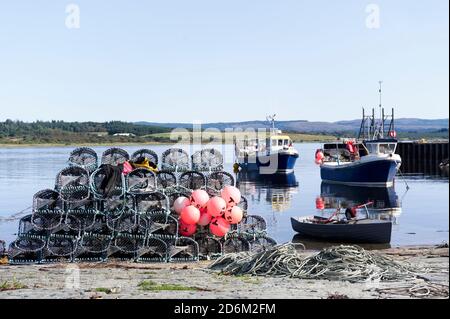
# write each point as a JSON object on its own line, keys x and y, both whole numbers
{"x": 347, "y": 263}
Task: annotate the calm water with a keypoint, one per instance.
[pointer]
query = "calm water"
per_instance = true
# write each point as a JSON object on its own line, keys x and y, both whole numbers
{"x": 421, "y": 215}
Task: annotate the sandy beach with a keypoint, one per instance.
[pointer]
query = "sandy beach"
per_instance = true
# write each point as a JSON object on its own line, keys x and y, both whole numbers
{"x": 194, "y": 280}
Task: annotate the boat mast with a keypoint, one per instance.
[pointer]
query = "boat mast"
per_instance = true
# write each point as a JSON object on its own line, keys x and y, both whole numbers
{"x": 381, "y": 134}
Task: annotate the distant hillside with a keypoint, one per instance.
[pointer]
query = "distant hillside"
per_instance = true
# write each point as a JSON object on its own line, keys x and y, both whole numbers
{"x": 301, "y": 126}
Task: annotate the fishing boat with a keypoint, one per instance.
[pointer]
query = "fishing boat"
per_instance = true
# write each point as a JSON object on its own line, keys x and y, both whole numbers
{"x": 274, "y": 154}
{"x": 348, "y": 229}
{"x": 368, "y": 160}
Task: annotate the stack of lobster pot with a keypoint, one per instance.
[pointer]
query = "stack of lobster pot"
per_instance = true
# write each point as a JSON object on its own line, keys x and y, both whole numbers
{"x": 89, "y": 216}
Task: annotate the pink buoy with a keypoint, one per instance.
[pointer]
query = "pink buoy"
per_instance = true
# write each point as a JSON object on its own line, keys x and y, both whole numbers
{"x": 216, "y": 206}
{"x": 234, "y": 215}
{"x": 190, "y": 215}
{"x": 231, "y": 195}
{"x": 219, "y": 227}
{"x": 186, "y": 229}
{"x": 199, "y": 198}
{"x": 180, "y": 203}
{"x": 204, "y": 220}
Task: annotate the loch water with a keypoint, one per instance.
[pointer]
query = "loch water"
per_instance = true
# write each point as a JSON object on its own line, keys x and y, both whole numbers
{"x": 420, "y": 214}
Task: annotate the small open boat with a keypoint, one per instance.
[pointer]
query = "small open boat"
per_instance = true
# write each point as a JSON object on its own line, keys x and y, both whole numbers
{"x": 354, "y": 231}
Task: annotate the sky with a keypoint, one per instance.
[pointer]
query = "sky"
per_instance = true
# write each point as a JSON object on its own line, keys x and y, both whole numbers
{"x": 222, "y": 60}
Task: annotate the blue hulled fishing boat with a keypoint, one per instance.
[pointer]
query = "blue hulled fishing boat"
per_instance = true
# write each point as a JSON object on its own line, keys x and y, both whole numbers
{"x": 274, "y": 154}
{"x": 369, "y": 160}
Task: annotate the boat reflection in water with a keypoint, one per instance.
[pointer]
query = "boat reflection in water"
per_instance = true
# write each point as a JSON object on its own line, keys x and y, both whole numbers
{"x": 276, "y": 189}
{"x": 385, "y": 201}
{"x": 385, "y": 205}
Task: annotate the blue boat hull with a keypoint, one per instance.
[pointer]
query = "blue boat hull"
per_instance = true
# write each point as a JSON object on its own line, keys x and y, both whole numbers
{"x": 373, "y": 173}
{"x": 270, "y": 164}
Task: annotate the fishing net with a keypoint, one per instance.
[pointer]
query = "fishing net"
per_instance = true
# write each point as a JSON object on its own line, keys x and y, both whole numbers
{"x": 207, "y": 160}
{"x": 209, "y": 247}
{"x": 26, "y": 227}
{"x": 192, "y": 180}
{"x": 218, "y": 180}
{"x": 154, "y": 250}
{"x": 235, "y": 245}
{"x": 141, "y": 181}
{"x": 84, "y": 157}
{"x": 175, "y": 160}
{"x": 115, "y": 156}
{"x": 152, "y": 202}
{"x": 348, "y": 263}
{"x": 47, "y": 221}
{"x": 73, "y": 183}
{"x": 61, "y": 245}
{"x": 117, "y": 204}
{"x": 145, "y": 153}
{"x": 166, "y": 180}
{"x": 184, "y": 249}
{"x": 98, "y": 181}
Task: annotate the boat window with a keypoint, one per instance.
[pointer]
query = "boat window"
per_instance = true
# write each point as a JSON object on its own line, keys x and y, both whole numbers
{"x": 286, "y": 142}
{"x": 372, "y": 148}
{"x": 388, "y": 148}
{"x": 274, "y": 142}
{"x": 280, "y": 142}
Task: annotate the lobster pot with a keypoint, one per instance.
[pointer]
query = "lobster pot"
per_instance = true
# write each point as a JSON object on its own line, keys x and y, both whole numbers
{"x": 175, "y": 160}
{"x": 117, "y": 204}
{"x": 61, "y": 247}
{"x": 115, "y": 156}
{"x": 155, "y": 250}
{"x": 258, "y": 244}
{"x": 127, "y": 247}
{"x": 26, "y": 227}
{"x": 2, "y": 248}
{"x": 126, "y": 221}
{"x": 218, "y": 180}
{"x": 141, "y": 181}
{"x": 209, "y": 247}
{"x": 161, "y": 224}
{"x": 100, "y": 225}
{"x": 27, "y": 249}
{"x": 155, "y": 202}
{"x": 93, "y": 247}
{"x": 150, "y": 155}
{"x": 185, "y": 249}
{"x": 192, "y": 180}
{"x": 72, "y": 183}
{"x": 235, "y": 245}
{"x": 243, "y": 204}
{"x": 84, "y": 157}
{"x": 102, "y": 187}
{"x": 166, "y": 181}
{"x": 207, "y": 160}
{"x": 81, "y": 215}
{"x": 253, "y": 225}
{"x": 47, "y": 200}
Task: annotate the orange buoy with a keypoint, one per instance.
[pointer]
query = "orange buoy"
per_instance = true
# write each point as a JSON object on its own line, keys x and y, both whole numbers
{"x": 319, "y": 157}
{"x": 234, "y": 215}
{"x": 231, "y": 195}
{"x": 187, "y": 230}
{"x": 190, "y": 215}
{"x": 320, "y": 203}
{"x": 216, "y": 206}
{"x": 199, "y": 198}
{"x": 219, "y": 227}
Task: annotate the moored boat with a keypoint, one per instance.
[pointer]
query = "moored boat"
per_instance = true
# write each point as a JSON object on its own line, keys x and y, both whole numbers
{"x": 274, "y": 154}
{"x": 353, "y": 231}
{"x": 369, "y": 160}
